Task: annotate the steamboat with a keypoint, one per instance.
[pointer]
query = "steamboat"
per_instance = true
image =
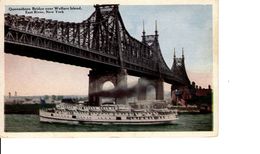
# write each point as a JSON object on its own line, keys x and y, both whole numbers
{"x": 109, "y": 113}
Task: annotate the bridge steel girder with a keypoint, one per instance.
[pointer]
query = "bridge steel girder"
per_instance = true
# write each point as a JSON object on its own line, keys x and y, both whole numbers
{"x": 72, "y": 55}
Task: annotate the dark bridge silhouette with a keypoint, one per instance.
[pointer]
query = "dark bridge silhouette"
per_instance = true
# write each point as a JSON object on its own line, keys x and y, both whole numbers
{"x": 101, "y": 43}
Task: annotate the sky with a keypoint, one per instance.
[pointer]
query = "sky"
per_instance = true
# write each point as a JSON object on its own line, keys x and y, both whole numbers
{"x": 179, "y": 26}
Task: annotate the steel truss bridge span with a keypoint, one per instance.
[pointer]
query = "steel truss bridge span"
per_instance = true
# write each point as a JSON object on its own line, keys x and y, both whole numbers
{"x": 99, "y": 42}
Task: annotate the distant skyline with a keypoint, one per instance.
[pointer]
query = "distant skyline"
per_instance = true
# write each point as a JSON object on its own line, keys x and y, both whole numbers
{"x": 179, "y": 26}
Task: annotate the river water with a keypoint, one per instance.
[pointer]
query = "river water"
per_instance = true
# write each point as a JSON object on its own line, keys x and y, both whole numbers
{"x": 31, "y": 123}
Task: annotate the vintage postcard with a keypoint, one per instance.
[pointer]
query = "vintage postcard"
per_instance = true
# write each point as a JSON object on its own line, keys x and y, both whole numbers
{"x": 109, "y": 69}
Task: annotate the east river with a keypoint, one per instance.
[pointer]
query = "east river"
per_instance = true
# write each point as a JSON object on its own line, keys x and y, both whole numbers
{"x": 31, "y": 123}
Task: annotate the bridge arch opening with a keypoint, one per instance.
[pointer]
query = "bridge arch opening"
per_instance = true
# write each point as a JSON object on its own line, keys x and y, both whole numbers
{"x": 150, "y": 92}
{"x": 107, "y": 86}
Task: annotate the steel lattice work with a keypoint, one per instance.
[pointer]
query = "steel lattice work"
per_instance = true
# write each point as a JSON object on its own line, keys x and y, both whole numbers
{"x": 101, "y": 41}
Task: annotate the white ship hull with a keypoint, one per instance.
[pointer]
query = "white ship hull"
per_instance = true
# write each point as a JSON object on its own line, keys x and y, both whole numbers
{"x": 106, "y": 118}
{"x": 75, "y": 122}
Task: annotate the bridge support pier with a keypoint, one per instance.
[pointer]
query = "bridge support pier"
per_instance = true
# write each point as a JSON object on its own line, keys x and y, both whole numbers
{"x": 173, "y": 95}
{"x": 159, "y": 89}
{"x": 141, "y": 94}
{"x": 121, "y": 83}
{"x": 156, "y": 83}
{"x": 181, "y": 92}
{"x": 96, "y": 80}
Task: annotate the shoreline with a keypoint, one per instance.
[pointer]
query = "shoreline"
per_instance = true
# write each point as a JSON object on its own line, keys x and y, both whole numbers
{"x": 24, "y": 108}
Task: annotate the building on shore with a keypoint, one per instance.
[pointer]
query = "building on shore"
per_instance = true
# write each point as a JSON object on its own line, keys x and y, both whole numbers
{"x": 193, "y": 95}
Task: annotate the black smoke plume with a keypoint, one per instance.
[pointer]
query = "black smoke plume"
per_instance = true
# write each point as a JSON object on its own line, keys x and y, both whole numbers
{"x": 120, "y": 92}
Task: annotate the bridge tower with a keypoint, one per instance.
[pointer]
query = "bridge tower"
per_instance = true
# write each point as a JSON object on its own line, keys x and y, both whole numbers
{"x": 178, "y": 69}
{"x": 98, "y": 76}
{"x": 157, "y": 83}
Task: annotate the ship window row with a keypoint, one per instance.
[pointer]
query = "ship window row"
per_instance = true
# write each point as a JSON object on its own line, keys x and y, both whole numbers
{"x": 109, "y": 113}
{"x": 83, "y": 117}
{"x": 145, "y": 118}
{"x": 104, "y": 118}
{"x": 95, "y": 113}
{"x": 62, "y": 116}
